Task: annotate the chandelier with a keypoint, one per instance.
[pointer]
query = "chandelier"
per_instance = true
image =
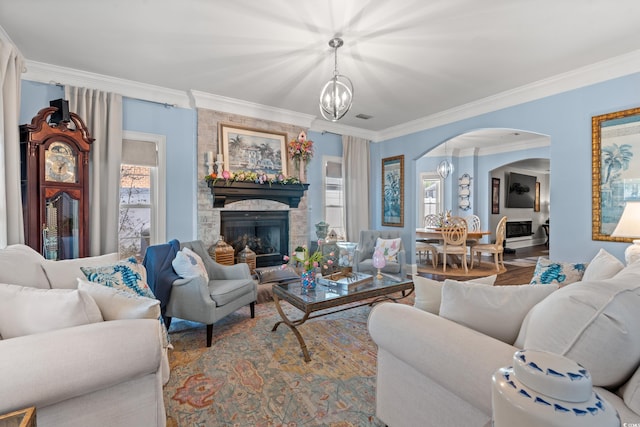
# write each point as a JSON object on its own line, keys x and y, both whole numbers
{"x": 337, "y": 95}
{"x": 445, "y": 167}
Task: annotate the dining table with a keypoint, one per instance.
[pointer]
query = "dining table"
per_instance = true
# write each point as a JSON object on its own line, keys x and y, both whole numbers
{"x": 436, "y": 233}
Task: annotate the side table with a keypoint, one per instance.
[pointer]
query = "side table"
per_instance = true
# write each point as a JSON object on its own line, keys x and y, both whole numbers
{"x": 22, "y": 418}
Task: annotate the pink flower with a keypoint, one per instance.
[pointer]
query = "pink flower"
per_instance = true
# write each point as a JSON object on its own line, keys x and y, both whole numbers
{"x": 286, "y": 257}
{"x": 332, "y": 254}
{"x": 330, "y": 262}
{"x": 226, "y": 174}
{"x": 315, "y": 264}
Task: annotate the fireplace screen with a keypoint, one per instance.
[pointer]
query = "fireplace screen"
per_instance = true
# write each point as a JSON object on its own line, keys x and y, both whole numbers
{"x": 265, "y": 233}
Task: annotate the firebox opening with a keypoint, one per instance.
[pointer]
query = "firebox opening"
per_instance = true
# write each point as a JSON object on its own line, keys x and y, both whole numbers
{"x": 265, "y": 233}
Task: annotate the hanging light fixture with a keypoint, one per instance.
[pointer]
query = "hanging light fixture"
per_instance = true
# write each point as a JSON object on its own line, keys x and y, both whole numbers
{"x": 337, "y": 95}
{"x": 445, "y": 167}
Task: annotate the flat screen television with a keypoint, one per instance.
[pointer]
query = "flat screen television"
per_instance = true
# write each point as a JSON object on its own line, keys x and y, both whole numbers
{"x": 521, "y": 190}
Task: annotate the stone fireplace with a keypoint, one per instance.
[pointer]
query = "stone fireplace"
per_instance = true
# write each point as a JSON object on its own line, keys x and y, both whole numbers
{"x": 265, "y": 233}
{"x": 212, "y": 205}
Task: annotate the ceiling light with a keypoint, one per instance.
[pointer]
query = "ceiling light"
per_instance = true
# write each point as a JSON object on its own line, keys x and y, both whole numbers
{"x": 337, "y": 95}
{"x": 445, "y": 167}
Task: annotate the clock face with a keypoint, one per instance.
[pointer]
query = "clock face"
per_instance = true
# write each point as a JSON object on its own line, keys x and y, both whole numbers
{"x": 60, "y": 163}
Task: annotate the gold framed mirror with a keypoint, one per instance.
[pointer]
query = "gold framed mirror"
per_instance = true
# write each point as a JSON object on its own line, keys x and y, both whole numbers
{"x": 615, "y": 144}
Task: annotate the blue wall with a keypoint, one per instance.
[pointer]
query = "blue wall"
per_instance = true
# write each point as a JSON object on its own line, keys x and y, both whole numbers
{"x": 566, "y": 118}
{"x": 179, "y": 125}
{"x": 180, "y": 129}
{"x": 327, "y": 144}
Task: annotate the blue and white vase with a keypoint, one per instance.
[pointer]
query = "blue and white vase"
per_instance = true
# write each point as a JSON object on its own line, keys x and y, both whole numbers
{"x": 308, "y": 280}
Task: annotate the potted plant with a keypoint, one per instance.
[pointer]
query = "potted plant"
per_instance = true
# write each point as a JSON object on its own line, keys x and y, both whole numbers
{"x": 298, "y": 252}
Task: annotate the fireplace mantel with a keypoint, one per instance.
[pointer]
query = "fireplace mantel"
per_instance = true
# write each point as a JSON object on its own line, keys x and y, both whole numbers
{"x": 229, "y": 192}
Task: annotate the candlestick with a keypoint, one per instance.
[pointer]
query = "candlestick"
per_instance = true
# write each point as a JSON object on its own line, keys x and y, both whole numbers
{"x": 208, "y": 161}
{"x": 220, "y": 158}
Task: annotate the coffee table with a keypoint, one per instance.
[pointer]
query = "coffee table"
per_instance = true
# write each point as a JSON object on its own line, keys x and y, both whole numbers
{"x": 323, "y": 299}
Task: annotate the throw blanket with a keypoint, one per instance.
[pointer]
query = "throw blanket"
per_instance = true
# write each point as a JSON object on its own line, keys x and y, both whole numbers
{"x": 160, "y": 273}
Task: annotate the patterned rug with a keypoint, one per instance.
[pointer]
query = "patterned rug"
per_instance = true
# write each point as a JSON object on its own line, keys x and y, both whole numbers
{"x": 251, "y": 376}
{"x": 523, "y": 262}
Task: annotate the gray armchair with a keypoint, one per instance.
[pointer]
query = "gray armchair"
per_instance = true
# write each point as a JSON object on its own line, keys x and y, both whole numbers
{"x": 363, "y": 261}
{"x": 230, "y": 287}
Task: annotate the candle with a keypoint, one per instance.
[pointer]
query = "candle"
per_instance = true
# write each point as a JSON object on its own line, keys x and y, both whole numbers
{"x": 209, "y": 157}
{"x": 220, "y": 158}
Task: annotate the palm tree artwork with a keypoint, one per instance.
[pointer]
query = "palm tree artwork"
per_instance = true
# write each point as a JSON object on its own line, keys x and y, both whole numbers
{"x": 615, "y": 158}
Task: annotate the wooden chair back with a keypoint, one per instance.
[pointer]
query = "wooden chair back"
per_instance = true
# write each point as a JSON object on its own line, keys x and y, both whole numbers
{"x": 455, "y": 235}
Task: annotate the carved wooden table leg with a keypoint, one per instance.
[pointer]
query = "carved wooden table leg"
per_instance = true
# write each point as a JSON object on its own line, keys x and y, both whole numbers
{"x": 293, "y": 326}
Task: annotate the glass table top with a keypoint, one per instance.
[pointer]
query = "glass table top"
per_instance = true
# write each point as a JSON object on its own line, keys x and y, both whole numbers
{"x": 324, "y": 292}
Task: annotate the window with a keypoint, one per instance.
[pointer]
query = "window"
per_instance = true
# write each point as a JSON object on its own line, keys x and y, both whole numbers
{"x": 333, "y": 194}
{"x": 142, "y": 218}
{"x": 431, "y": 194}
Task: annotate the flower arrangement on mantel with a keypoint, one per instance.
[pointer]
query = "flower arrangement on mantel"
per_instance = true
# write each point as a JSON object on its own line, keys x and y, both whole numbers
{"x": 250, "y": 176}
{"x": 300, "y": 148}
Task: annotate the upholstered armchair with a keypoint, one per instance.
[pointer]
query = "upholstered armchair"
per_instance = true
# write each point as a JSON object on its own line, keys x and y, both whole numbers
{"x": 363, "y": 257}
{"x": 229, "y": 288}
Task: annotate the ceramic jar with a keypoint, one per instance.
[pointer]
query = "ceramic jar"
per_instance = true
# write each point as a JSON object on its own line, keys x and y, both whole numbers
{"x": 546, "y": 389}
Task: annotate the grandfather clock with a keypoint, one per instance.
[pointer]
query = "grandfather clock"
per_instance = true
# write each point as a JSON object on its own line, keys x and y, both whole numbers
{"x": 54, "y": 157}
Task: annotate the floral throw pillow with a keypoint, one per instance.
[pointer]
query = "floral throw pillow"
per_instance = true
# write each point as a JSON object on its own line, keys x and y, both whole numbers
{"x": 561, "y": 273}
{"x": 390, "y": 248}
{"x": 126, "y": 275}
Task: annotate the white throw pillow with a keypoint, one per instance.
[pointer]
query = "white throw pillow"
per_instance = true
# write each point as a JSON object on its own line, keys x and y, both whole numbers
{"x": 116, "y": 304}
{"x": 390, "y": 248}
{"x": 63, "y": 274}
{"x": 19, "y": 265}
{"x": 428, "y": 292}
{"x": 496, "y": 311}
{"x": 25, "y": 310}
{"x": 593, "y": 323}
{"x": 189, "y": 264}
{"x": 602, "y": 266}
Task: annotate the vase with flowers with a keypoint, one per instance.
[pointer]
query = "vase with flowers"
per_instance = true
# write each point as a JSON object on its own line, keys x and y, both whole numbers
{"x": 300, "y": 150}
{"x": 309, "y": 262}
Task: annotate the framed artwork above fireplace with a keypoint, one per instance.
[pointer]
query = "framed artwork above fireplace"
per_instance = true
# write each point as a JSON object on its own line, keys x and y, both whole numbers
{"x": 253, "y": 150}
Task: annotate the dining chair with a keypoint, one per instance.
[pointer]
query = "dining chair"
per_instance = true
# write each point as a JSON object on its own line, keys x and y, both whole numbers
{"x": 454, "y": 243}
{"x": 497, "y": 248}
{"x": 425, "y": 246}
{"x": 473, "y": 224}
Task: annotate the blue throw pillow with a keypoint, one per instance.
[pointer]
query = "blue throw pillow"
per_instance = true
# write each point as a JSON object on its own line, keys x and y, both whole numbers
{"x": 126, "y": 275}
{"x": 561, "y": 273}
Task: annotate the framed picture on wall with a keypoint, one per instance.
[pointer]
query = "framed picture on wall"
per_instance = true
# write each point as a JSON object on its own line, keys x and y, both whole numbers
{"x": 495, "y": 195}
{"x": 393, "y": 191}
{"x": 253, "y": 150}
{"x": 615, "y": 152}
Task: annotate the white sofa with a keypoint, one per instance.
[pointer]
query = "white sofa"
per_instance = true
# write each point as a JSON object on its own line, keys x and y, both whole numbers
{"x": 101, "y": 373}
{"x": 433, "y": 371}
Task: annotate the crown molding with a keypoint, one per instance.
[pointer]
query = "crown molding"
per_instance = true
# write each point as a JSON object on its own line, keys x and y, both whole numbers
{"x": 249, "y": 109}
{"x": 595, "y": 73}
{"x": 53, "y": 74}
{"x": 320, "y": 125}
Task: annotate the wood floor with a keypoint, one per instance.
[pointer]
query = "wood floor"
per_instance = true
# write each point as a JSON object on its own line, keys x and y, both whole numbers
{"x": 514, "y": 275}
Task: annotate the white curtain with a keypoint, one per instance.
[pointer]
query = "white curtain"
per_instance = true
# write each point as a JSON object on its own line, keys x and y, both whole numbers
{"x": 355, "y": 170}
{"x": 11, "y": 222}
{"x": 102, "y": 113}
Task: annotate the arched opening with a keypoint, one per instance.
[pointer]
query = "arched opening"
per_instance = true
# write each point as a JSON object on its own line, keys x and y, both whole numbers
{"x": 483, "y": 162}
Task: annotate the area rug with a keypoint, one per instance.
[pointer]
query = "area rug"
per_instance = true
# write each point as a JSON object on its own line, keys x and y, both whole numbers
{"x": 523, "y": 262}
{"x": 251, "y": 376}
{"x": 485, "y": 268}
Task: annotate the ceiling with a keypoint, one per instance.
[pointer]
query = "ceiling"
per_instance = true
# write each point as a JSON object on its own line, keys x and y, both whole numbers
{"x": 408, "y": 59}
